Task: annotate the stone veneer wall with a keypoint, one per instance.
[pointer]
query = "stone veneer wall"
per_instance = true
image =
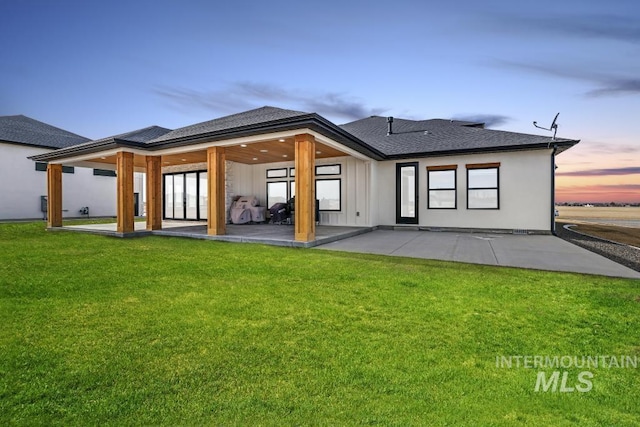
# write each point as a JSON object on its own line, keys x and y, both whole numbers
{"x": 192, "y": 167}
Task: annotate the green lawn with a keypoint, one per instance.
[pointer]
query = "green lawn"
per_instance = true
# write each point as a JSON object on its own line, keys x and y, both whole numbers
{"x": 156, "y": 330}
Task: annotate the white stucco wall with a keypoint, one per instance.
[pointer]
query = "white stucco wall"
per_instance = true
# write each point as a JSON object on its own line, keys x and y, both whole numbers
{"x": 82, "y": 188}
{"x": 21, "y": 187}
{"x": 525, "y": 192}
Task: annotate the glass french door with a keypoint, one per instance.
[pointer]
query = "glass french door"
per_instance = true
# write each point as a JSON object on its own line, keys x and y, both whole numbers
{"x": 407, "y": 193}
{"x": 202, "y": 195}
{"x": 185, "y": 196}
{"x": 191, "y": 196}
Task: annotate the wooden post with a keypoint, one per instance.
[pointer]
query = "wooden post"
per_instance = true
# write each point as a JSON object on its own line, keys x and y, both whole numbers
{"x": 216, "y": 215}
{"x": 154, "y": 192}
{"x": 124, "y": 170}
{"x": 305, "y": 223}
{"x": 54, "y": 195}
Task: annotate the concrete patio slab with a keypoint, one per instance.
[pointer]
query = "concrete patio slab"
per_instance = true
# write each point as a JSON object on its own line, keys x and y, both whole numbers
{"x": 534, "y": 251}
{"x": 277, "y": 235}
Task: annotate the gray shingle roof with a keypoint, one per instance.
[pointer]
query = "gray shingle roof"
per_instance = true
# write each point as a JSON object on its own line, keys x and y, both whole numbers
{"x": 248, "y": 118}
{"x": 439, "y": 136}
{"x": 25, "y": 130}
{"x": 368, "y": 136}
{"x": 143, "y": 135}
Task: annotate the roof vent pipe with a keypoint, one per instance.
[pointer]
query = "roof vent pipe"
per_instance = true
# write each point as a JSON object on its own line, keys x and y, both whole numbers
{"x": 389, "y": 125}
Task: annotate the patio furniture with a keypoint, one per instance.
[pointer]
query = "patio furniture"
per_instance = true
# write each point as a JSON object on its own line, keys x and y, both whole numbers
{"x": 279, "y": 213}
{"x": 247, "y": 209}
{"x": 292, "y": 209}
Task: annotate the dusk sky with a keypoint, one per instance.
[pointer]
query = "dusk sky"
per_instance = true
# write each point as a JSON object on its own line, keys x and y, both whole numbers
{"x": 103, "y": 68}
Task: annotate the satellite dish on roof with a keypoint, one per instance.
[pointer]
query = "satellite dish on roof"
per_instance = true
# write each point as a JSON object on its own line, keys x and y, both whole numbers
{"x": 553, "y": 127}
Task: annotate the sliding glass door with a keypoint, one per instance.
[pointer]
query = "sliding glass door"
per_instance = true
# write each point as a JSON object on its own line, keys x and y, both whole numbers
{"x": 185, "y": 196}
{"x": 191, "y": 195}
{"x": 202, "y": 194}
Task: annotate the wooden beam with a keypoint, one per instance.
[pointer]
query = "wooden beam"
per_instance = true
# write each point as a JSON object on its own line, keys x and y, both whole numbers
{"x": 124, "y": 170}
{"x": 154, "y": 192}
{"x": 442, "y": 168}
{"x": 482, "y": 165}
{"x": 305, "y": 221}
{"x": 216, "y": 215}
{"x": 54, "y": 195}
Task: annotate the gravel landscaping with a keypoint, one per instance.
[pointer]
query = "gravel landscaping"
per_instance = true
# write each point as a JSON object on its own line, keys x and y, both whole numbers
{"x": 620, "y": 253}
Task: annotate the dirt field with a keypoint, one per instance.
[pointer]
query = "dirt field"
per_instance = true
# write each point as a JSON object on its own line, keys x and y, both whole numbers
{"x": 622, "y": 217}
{"x": 626, "y": 235}
{"x": 580, "y": 212}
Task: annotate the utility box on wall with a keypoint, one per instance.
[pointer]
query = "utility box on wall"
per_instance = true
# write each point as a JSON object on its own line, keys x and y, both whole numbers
{"x": 43, "y": 205}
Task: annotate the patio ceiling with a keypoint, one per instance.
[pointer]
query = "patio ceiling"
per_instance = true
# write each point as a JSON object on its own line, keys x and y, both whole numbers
{"x": 252, "y": 153}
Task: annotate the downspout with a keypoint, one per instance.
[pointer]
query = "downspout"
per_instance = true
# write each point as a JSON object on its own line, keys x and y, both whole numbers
{"x": 553, "y": 190}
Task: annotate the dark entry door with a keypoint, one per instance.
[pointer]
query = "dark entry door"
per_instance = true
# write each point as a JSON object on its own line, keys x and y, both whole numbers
{"x": 407, "y": 193}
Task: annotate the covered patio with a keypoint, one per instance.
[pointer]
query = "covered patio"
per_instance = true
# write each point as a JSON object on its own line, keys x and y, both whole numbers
{"x": 270, "y": 234}
{"x": 251, "y": 141}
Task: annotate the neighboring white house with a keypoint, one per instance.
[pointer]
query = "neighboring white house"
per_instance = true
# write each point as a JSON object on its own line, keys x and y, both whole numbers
{"x": 23, "y": 182}
{"x": 378, "y": 171}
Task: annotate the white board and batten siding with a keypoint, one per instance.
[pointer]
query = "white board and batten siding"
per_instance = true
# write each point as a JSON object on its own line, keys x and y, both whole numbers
{"x": 355, "y": 183}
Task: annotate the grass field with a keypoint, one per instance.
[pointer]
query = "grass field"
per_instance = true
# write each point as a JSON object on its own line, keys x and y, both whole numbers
{"x": 168, "y": 331}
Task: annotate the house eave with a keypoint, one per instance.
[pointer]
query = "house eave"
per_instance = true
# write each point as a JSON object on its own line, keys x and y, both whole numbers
{"x": 25, "y": 144}
{"x": 561, "y": 145}
{"x": 310, "y": 121}
{"x": 97, "y": 147}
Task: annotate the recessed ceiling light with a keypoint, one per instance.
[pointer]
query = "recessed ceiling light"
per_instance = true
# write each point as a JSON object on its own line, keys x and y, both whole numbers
{"x": 281, "y": 140}
{"x": 255, "y": 158}
{"x": 284, "y": 155}
{"x": 184, "y": 160}
{"x": 318, "y": 152}
{"x": 264, "y": 151}
{"x": 103, "y": 157}
{"x": 243, "y": 145}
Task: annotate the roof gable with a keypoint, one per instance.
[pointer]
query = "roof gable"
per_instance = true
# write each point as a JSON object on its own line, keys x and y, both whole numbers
{"x": 25, "y": 130}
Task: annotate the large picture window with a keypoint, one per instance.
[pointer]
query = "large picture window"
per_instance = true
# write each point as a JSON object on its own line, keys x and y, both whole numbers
{"x": 276, "y": 192}
{"x": 483, "y": 186}
{"x": 441, "y": 181}
{"x": 328, "y": 193}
